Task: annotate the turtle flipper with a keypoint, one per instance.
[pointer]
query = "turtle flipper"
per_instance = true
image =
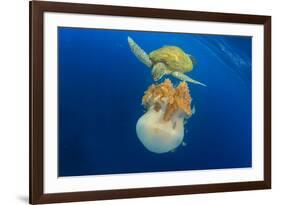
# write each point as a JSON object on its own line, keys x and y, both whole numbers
{"x": 184, "y": 77}
{"x": 139, "y": 53}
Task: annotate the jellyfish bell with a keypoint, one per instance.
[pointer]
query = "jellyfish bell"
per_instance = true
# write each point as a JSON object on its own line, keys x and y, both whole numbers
{"x": 158, "y": 135}
{"x": 161, "y": 128}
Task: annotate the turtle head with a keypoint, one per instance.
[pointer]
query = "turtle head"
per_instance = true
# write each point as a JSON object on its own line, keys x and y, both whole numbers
{"x": 158, "y": 71}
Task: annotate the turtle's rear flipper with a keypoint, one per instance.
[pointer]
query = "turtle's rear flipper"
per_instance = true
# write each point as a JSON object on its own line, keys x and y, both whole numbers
{"x": 184, "y": 77}
{"x": 139, "y": 53}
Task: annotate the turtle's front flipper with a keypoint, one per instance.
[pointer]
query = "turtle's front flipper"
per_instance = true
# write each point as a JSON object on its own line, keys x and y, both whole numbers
{"x": 184, "y": 77}
{"x": 139, "y": 53}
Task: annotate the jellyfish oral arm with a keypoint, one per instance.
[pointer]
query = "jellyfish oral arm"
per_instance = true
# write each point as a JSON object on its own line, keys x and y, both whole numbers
{"x": 161, "y": 128}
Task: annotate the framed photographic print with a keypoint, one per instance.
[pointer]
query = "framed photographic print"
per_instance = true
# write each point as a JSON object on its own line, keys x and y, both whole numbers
{"x": 138, "y": 102}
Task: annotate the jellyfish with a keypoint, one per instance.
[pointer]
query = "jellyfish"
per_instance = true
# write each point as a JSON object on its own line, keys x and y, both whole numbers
{"x": 161, "y": 128}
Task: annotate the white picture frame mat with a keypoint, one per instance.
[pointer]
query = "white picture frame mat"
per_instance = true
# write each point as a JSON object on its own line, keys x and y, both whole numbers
{"x": 55, "y": 184}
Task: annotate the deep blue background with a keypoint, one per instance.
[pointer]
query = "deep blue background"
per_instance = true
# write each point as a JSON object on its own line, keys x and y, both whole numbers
{"x": 101, "y": 84}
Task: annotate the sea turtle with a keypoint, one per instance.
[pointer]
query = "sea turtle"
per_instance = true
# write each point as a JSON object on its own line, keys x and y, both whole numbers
{"x": 167, "y": 60}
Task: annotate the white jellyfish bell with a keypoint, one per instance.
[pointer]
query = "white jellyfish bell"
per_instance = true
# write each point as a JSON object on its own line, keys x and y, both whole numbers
{"x": 158, "y": 135}
{"x": 161, "y": 128}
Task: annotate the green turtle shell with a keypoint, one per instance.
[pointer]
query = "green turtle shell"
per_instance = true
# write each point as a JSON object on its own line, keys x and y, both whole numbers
{"x": 173, "y": 57}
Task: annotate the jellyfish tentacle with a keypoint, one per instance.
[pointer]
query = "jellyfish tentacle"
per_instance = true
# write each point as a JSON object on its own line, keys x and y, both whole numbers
{"x": 193, "y": 110}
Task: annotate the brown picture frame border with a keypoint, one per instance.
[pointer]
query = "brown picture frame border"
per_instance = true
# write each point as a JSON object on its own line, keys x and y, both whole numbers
{"x": 37, "y": 8}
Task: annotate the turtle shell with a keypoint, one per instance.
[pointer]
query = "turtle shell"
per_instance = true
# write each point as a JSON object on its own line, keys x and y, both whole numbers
{"x": 173, "y": 57}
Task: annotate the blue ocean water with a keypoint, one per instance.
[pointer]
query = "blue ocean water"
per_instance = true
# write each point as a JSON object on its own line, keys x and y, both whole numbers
{"x": 101, "y": 84}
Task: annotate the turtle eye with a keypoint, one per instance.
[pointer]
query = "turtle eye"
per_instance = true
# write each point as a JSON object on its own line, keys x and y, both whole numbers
{"x": 154, "y": 74}
{"x": 155, "y": 77}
